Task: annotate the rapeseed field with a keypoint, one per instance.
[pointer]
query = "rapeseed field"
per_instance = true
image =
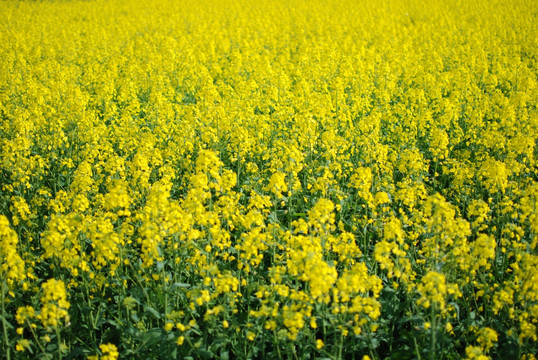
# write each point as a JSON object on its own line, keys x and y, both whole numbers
{"x": 278, "y": 179}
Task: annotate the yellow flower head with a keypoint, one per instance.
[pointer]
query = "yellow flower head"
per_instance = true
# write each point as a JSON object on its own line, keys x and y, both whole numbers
{"x": 54, "y": 303}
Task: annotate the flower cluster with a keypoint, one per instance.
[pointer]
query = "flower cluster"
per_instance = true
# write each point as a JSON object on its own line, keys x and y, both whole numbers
{"x": 240, "y": 179}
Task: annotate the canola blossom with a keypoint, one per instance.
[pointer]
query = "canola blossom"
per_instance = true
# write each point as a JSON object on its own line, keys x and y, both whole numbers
{"x": 269, "y": 179}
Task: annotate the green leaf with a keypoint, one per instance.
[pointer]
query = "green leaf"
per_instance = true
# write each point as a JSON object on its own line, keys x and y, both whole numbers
{"x": 114, "y": 323}
{"x": 8, "y": 324}
{"x": 152, "y": 336}
{"x": 153, "y": 312}
{"x": 180, "y": 285}
{"x": 205, "y": 354}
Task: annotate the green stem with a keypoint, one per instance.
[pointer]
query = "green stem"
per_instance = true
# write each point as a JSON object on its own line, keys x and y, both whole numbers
{"x": 294, "y": 352}
{"x": 59, "y": 340}
{"x": 4, "y": 321}
{"x": 165, "y": 289}
{"x": 238, "y": 170}
{"x": 90, "y": 312}
{"x": 277, "y": 345}
{"x": 35, "y": 337}
{"x": 340, "y": 347}
{"x": 324, "y": 332}
{"x": 433, "y": 333}
{"x": 416, "y": 349}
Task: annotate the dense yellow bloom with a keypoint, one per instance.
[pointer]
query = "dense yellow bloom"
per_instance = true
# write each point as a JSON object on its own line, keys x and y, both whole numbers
{"x": 439, "y": 144}
{"x": 20, "y": 210}
{"x": 277, "y": 184}
{"x": 447, "y": 234}
{"x": 475, "y": 352}
{"x": 354, "y": 286}
{"x": 482, "y": 251}
{"x": 320, "y": 276}
{"x": 110, "y": 352}
{"x": 22, "y": 345}
{"x": 321, "y": 216}
{"x": 487, "y": 338}
{"x": 61, "y": 241}
{"x": 267, "y": 173}
{"x": 434, "y": 290}
{"x": 25, "y": 313}
{"x": 55, "y": 306}
{"x": 11, "y": 264}
{"x": 362, "y": 181}
{"x": 495, "y": 175}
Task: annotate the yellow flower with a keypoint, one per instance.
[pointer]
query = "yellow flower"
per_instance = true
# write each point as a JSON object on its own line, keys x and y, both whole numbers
{"x": 24, "y": 313}
{"x": 494, "y": 175}
{"x": 487, "y": 337}
{"x": 285, "y": 165}
{"x": 319, "y": 344}
{"x": 22, "y": 345}
{"x": 381, "y": 198}
{"x": 54, "y": 303}
{"x": 11, "y": 264}
{"x": 110, "y": 352}
{"x": 277, "y": 184}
